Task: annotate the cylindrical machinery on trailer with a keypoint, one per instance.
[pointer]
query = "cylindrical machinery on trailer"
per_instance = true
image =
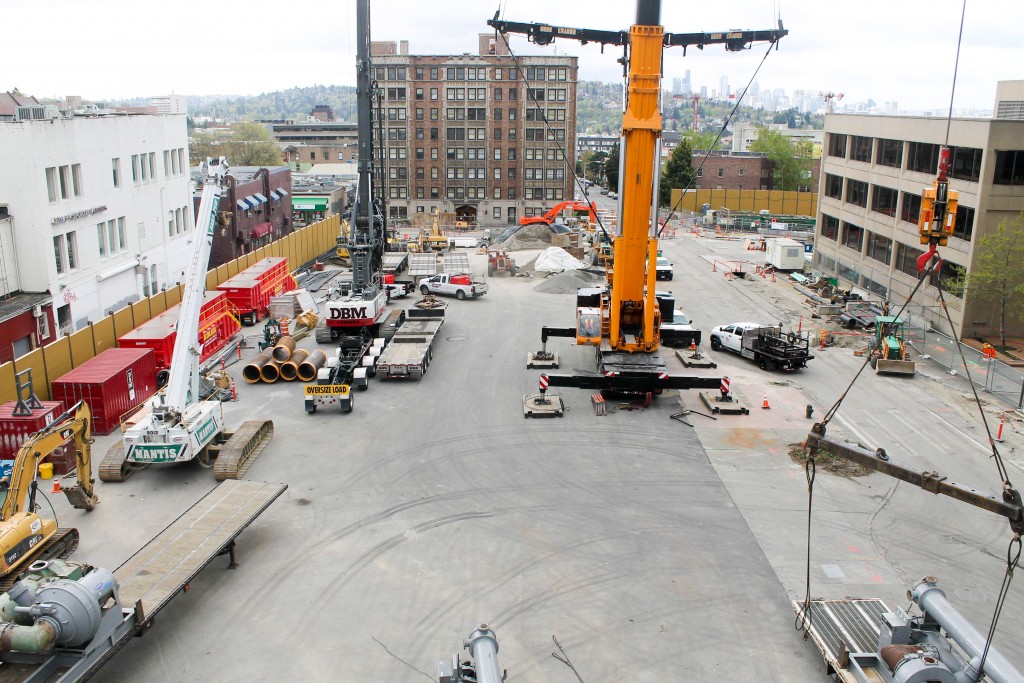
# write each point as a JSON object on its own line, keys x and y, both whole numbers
{"x": 55, "y": 604}
{"x": 483, "y": 668}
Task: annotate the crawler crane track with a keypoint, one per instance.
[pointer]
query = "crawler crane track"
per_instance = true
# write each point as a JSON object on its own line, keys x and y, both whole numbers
{"x": 242, "y": 447}
{"x": 114, "y": 466}
{"x": 59, "y": 546}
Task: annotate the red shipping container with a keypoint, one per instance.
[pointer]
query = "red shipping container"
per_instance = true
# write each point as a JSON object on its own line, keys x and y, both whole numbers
{"x": 251, "y": 290}
{"x": 113, "y": 383}
{"x": 217, "y": 325}
{"x": 15, "y": 429}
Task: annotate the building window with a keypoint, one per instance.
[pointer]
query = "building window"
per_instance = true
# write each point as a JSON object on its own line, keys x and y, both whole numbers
{"x": 497, "y": 153}
{"x": 64, "y": 176}
{"x": 167, "y": 162}
{"x": 837, "y": 145}
{"x": 65, "y": 252}
{"x": 496, "y": 212}
{"x": 513, "y": 94}
{"x": 433, "y": 93}
{"x": 152, "y": 165}
{"x": 964, "y": 227}
{"x": 946, "y": 275}
{"x": 135, "y": 168}
{"x": 497, "y": 193}
{"x": 906, "y": 259}
{"x": 966, "y": 164}
{"x": 890, "y": 153}
{"x": 829, "y": 227}
{"x": 860, "y": 148}
{"x": 853, "y": 236}
{"x": 833, "y": 186}
{"x": 911, "y": 210}
{"x": 883, "y": 200}
{"x": 1009, "y": 168}
{"x": 879, "y": 248}
{"x": 857, "y": 192}
{"x": 51, "y": 184}
{"x": 419, "y": 93}
{"x": 922, "y": 157}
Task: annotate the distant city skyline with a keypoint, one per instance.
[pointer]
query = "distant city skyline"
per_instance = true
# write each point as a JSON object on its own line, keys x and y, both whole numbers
{"x": 902, "y": 52}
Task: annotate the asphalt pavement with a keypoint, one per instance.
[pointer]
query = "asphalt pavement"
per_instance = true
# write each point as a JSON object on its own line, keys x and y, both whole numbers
{"x": 653, "y": 550}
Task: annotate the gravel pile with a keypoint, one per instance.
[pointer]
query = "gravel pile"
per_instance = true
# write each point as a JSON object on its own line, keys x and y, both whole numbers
{"x": 568, "y": 282}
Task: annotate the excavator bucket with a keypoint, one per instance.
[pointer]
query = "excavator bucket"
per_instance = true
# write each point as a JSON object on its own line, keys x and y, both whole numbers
{"x": 79, "y": 499}
{"x": 895, "y": 367}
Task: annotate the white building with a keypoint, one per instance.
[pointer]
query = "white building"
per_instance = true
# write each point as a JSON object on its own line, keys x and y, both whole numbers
{"x": 100, "y": 209}
{"x": 170, "y": 104}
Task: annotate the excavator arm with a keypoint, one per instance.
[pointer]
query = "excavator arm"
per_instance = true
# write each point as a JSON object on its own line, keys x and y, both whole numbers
{"x": 72, "y": 425}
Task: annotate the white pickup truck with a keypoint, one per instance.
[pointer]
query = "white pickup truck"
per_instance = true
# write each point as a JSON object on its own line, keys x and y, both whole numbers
{"x": 459, "y": 286}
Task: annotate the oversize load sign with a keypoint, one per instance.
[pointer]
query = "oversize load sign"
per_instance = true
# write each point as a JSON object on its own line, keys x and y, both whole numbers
{"x": 326, "y": 389}
{"x": 155, "y": 452}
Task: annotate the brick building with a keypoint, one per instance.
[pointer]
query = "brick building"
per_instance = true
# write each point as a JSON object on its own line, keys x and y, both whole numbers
{"x": 255, "y": 210}
{"x": 743, "y": 171}
{"x": 306, "y": 143}
{"x": 467, "y": 134}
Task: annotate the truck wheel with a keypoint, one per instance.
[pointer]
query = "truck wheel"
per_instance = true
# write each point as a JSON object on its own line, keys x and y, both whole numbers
{"x": 311, "y": 410}
{"x": 763, "y": 364}
{"x": 715, "y": 343}
{"x": 490, "y": 271}
{"x": 874, "y": 362}
{"x": 424, "y": 290}
{"x": 460, "y": 295}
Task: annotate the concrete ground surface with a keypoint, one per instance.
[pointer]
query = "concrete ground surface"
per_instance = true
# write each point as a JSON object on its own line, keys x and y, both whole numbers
{"x": 652, "y": 550}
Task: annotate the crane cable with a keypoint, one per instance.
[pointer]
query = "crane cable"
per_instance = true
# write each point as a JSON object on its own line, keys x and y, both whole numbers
{"x": 544, "y": 119}
{"x": 707, "y": 154}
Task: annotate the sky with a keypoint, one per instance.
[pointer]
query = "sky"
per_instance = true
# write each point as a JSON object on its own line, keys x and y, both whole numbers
{"x": 892, "y": 50}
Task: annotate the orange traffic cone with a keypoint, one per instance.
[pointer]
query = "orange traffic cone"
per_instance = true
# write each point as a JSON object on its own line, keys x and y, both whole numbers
{"x": 56, "y": 486}
{"x": 765, "y": 404}
{"x": 693, "y": 345}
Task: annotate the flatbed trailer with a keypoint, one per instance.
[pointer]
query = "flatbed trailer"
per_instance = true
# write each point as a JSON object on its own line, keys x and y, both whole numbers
{"x": 456, "y": 264}
{"x": 150, "y": 578}
{"x": 840, "y": 628}
{"x": 408, "y": 354}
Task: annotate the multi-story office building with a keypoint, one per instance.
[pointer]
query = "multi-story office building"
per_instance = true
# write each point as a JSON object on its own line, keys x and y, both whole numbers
{"x": 873, "y": 172}
{"x": 99, "y": 214}
{"x": 315, "y": 141}
{"x": 482, "y": 136}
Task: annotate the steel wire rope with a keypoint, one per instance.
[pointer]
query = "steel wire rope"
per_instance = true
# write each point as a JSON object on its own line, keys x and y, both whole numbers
{"x": 802, "y": 622}
{"x": 707, "y": 155}
{"x": 544, "y": 119}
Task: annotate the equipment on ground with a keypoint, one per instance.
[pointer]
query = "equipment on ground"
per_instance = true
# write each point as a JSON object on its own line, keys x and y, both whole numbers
{"x": 271, "y": 334}
{"x": 24, "y": 535}
{"x": 435, "y": 240}
{"x": 888, "y": 350}
{"x": 175, "y": 425}
{"x": 498, "y": 261}
{"x": 408, "y": 354}
{"x": 766, "y": 345}
{"x": 365, "y": 305}
{"x": 62, "y": 621}
{"x": 334, "y": 381}
{"x": 622, "y": 322}
{"x": 482, "y": 645}
{"x": 587, "y": 209}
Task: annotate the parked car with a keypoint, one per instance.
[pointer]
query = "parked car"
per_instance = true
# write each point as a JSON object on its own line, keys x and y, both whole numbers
{"x": 664, "y": 269}
{"x": 604, "y": 190}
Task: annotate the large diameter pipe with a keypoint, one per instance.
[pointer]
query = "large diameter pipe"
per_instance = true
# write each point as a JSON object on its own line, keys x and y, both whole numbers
{"x": 308, "y": 369}
{"x": 933, "y": 601}
{"x": 39, "y": 637}
{"x": 290, "y": 368}
{"x": 483, "y": 645}
{"x": 251, "y": 372}
{"x": 284, "y": 348}
{"x": 270, "y": 372}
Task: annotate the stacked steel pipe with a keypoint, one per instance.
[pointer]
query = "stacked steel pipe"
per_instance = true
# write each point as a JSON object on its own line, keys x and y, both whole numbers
{"x": 284, "y": 362}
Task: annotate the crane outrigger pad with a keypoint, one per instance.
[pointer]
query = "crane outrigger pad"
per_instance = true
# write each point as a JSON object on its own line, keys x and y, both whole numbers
{"x": 541, "y": 359}
{"x": 543, "y": 405}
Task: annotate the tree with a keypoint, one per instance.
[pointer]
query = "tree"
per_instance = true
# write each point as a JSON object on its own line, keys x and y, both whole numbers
{"x": 595, "y": 166}
{"x": 611, "y": 169}
{"x": 790, "y": 162}
{"x": 702, "y": 141}
{"x": 202, "y": 145}
{"x": 996, "y": 275}
{"x": 678, "y": 172}
{"x": 251, "y": 145}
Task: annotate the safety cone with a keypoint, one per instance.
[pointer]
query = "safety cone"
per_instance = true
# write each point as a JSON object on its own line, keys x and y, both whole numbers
{"x": 999, "y": 434}
{"x": 234, "y": 394}
{"x": 693, "y": 345}
{"x": 765, "y": 403}
{"x": 56, "y": 486}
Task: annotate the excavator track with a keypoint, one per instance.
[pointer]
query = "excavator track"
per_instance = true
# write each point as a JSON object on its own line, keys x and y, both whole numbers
{"x": 59, "y": 546}
{"x": 242, "y": 448}
{"x": 114, "y": 466}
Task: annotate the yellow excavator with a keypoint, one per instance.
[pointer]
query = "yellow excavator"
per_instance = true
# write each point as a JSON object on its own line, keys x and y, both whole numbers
{"x": 435, "y": 240}
{"x": 24, "y": 535}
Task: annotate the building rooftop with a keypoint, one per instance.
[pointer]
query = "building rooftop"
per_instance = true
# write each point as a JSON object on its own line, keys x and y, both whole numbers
{"x": 16, "y": 304}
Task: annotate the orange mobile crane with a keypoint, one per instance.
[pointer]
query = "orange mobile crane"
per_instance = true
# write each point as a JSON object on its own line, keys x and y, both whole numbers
{"x": 622, "y": 321}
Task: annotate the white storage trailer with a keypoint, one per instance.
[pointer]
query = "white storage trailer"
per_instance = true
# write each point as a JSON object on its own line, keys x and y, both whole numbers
{"x": 784, "y": 254}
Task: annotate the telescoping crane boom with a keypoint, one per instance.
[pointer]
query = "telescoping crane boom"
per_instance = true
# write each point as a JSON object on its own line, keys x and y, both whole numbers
{"x": 177, "y": 426}
{"x": 623, "y": 322}
{"x": 24, "y": 535}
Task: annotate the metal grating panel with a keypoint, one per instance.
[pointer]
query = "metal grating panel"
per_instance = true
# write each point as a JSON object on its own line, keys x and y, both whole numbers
{"x": 456, "y": 264}
{"x": 850, "y": 624}
{"x": 422, "y": 264}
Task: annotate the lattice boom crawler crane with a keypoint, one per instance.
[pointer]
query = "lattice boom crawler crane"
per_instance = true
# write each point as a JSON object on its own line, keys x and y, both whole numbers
{"x": 622, "y": 321}
{"x": 176, "y": 426}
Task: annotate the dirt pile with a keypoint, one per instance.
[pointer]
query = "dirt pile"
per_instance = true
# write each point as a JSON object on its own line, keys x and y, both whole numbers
{"x": 567, "y": 282}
